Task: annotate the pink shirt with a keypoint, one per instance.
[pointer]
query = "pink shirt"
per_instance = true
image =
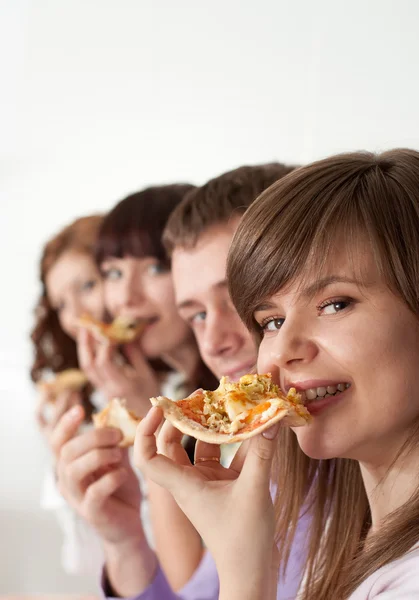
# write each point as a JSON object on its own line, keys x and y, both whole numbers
{"x": 399, "y": 580}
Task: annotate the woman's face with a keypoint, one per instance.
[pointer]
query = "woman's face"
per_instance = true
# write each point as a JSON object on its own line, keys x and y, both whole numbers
{"x": 74, "y": 287}
{"x": 142, "y": 288}
{"x": 353, "y": 348}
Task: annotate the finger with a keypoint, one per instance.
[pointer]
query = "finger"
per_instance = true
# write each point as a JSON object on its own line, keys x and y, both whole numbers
{"x": 258, "y": 462}
{"x": 157, "y": 467}
{"x": 207, "y": 454}
{"x": 239, "y": 458}
{"x": 169, "y": 443}
{"x": 95, "y": 438}
{"x": 66, "y": 428}
{"x": 99, "y": 491}
{"x": 64, "y": 402}
{"x": 85, "y": 349}
{"x": 136, "y": 358}
{"x": 85, "y": 466}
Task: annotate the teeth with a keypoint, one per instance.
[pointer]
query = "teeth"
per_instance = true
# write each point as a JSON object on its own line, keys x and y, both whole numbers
{"x": 324, "y": 392}
{"x": 311, "y": 393}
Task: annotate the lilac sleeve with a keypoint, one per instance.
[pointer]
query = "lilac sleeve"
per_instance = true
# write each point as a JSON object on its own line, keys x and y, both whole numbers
{"x": 203, "y": 585}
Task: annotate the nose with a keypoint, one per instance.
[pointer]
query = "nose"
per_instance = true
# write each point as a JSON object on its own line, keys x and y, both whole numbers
{"x": 222, "y": 336}
{"x": 293, "y": 345}
{"x": 131, "y": 293}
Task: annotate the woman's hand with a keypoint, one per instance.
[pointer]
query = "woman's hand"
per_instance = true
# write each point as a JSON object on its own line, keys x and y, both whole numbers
{"x": 116, "y": 378}
{"x": 95, "y": 477}
{"x": 230, "y": 507}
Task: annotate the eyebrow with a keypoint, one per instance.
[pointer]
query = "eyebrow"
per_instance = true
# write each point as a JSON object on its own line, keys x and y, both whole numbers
{"x": 314, "y": 288}
{"x": 192, "y": 303}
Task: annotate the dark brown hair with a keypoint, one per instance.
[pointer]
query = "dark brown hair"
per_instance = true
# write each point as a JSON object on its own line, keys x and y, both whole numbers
{"x": 134, "y": 227}
{"x": 217, "y": 201}
{"x": 288, "y": 232}
{"x": 54, "y": 350}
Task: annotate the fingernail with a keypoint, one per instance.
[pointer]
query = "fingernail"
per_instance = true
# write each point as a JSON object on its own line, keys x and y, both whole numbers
{"x": 271, "y": 433}
{"x": 74, "y": 413}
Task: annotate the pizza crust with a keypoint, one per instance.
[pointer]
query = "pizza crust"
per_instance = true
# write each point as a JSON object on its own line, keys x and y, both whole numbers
{"x": 115, "y": 414}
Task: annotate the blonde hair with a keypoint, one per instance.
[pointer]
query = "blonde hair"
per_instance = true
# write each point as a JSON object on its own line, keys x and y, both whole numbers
{"x": 285, "y": 234}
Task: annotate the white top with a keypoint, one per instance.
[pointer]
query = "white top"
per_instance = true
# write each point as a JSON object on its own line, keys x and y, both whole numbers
{"x": 399, "y": 580}
{"x": 81, "y": 552}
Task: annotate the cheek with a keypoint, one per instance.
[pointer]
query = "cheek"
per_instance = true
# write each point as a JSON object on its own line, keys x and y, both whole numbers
{"x": 110, "y": 297}
{"x": 161, "y": 292}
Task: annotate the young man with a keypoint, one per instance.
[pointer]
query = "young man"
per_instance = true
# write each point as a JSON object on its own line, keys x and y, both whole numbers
{"x": 198, "y": 235}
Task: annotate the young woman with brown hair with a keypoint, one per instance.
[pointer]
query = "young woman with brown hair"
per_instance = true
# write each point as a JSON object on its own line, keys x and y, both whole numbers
{"x": 324, "y": 269}
{"x": 71, "y": 284}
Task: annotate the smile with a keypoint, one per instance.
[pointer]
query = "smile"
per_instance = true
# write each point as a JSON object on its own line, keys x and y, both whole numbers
{"x": 313, "y": 394}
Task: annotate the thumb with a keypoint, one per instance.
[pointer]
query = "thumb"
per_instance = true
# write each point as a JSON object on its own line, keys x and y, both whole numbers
{"x": 258, "y": 462}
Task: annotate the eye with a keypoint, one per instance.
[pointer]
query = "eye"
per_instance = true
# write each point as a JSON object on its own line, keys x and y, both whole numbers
{"x": 111, "y": 274}
{"x": 331, "y": 307}
{"x": 87, "y": 286}
{"x": 271, "y": 324}
{"x": 157, "y": 268}
{"x": 198, "y": 318}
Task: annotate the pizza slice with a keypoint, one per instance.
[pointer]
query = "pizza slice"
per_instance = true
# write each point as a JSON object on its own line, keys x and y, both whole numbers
{"x": 72, "y": 380}
{"x": 234, "y": 411}
{"x": 115, "y": 414}
{"x": 122, "y": 330}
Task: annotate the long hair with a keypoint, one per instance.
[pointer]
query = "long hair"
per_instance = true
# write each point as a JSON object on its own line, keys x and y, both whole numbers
{"x": 54, "y": 350}
{"x": 289, "y": 232}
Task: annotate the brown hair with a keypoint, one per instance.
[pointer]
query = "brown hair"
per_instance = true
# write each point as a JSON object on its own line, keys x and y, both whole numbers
{"x": 54, "y": 349}
{"x": 217, "y": 201}
{"x": 285, "y": 234}
{"x": 134, "y": 227}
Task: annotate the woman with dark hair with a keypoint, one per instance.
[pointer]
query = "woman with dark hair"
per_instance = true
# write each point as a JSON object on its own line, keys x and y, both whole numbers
{"x": 324, "y": 269}
{"x": 137, "y": 283}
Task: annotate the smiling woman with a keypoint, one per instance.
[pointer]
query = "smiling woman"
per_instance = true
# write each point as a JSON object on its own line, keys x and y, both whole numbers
{"x": 71, "y": 284}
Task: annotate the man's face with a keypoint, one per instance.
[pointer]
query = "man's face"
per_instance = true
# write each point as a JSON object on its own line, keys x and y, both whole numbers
{"x": 202, "y": 297}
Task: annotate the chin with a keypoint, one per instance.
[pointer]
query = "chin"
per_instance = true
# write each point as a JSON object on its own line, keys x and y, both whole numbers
{"x": 319, "y": 447}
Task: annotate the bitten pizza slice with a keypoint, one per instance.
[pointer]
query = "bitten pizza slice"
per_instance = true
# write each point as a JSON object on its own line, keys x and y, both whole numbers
{"x": 115, "y": 414}
{"x": 122, "y": 330}
{"x": 72, "y": 380}
{"x": 234, "y": 411}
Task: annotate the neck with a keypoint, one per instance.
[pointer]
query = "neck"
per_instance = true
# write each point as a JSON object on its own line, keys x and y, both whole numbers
{"x": 390, "y": 483}
{"x": 184, "y": 358}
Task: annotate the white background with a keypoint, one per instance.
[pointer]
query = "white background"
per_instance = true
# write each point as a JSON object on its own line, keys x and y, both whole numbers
{"x": 99, "y": 98}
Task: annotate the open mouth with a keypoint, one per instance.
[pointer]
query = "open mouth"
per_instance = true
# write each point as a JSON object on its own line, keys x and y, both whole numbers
{"x": 320, "y": 393}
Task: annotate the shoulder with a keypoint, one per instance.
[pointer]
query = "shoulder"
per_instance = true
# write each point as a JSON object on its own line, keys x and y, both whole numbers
{"x": 397, "y": 580}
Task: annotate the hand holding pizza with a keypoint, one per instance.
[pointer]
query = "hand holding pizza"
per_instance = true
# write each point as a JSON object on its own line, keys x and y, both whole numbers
{"x": 230, "y": 507}
{"x": 106, "y": 369}
{"x": 95, "y": 477}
